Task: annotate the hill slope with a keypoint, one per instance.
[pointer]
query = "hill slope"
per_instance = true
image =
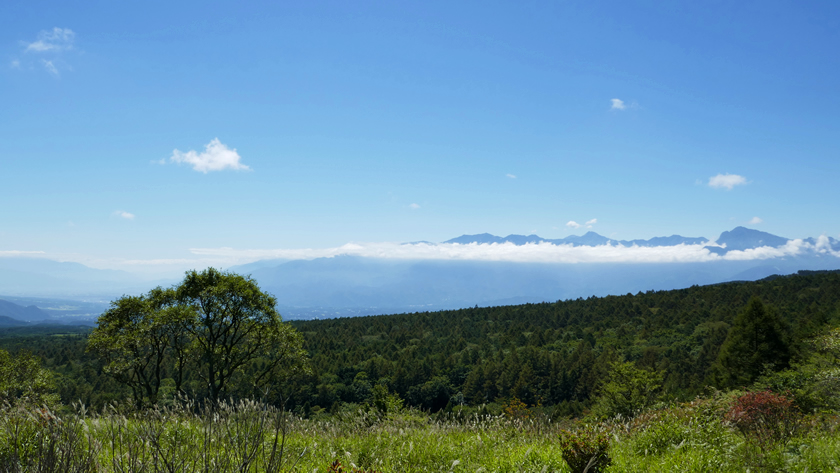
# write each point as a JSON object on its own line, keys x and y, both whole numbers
{"x": 554, "y": 353}
{"x": 20, "y": 313}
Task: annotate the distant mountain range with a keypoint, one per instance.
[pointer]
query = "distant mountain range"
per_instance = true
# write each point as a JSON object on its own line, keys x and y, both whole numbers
{"x": 350, "y": 284}
{"x": 587, "y": 239}
{"x": 354, "y": 285}
{"x": 739, "y": 238}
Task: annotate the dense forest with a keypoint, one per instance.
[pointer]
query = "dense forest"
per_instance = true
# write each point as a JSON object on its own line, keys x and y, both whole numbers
{"x": 553, "y": 353}
{"x": 549, "y": 354}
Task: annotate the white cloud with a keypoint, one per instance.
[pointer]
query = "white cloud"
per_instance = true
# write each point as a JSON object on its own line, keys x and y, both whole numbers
{"x": 15, "y": 64}
{"x": 791, "y": 248}
{"x": 414, "y": 206}
{"x": 726, "y": 181}
{"x": 50, "y": 67}
{"x": 511, "y": 176}
{"x": 529, "y": 253}
{"x": 55, "y": 40}
{"x": 618, "y": 104}
{"x": 823, "y": 245}
{"x": 755, "y": 221}
{"x": 532, "y": 252}
{"x": 588, "y": 224}
{"x": 124, "y": 214}
{"x": 216, "y": 157}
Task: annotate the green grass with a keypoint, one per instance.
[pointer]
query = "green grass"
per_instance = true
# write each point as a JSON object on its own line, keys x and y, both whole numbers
{"x": 686, "y": 438}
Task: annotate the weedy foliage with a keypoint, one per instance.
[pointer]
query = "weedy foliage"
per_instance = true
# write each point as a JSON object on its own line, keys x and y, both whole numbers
{"x": 586, "y": 450}
{"x": 335, "y": 467}
{"x": 34, "y": 439}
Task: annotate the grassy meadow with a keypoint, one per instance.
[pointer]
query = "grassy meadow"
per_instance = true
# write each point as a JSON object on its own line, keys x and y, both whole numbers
{"x": 251, "y": 437}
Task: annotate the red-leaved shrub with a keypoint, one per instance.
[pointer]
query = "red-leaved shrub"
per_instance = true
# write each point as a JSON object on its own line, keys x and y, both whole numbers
{"x": 765, "y": 416}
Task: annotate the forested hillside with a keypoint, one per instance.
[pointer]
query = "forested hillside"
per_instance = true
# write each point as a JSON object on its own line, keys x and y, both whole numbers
{"x": 553, "y": 354}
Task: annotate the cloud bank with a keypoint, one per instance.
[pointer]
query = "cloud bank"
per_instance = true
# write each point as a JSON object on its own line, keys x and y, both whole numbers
{"x": 529, "y": 253}
{"x": 216, "y": 157}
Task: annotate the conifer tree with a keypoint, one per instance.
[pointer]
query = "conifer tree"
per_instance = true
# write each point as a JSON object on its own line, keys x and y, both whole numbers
{"x": 757, "y": 341}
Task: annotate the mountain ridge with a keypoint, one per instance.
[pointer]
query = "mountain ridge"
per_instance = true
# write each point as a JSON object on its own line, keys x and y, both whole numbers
{"x": 738, "y": 239}
{"x": 19, "y": 313}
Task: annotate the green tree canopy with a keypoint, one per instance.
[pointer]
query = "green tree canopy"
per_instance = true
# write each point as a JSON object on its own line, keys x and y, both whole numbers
{"x": 22, "y": 377}
{"x": 757, "y": 340}
{"x": 217, "y": 325}
{"x": 235, "y": 328}
{"x": 135, "y": 338}
{"x": 627, "y": 390}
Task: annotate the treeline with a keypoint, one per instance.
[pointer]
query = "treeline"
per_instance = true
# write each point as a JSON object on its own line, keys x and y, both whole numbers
{"x": 550, "y": 354}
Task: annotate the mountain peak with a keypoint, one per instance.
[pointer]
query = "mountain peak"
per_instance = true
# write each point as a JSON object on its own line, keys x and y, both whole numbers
{"x": 742, "y": 238}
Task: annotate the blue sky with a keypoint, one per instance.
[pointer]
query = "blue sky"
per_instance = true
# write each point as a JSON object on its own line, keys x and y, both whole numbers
{"x": 398, "y": 121}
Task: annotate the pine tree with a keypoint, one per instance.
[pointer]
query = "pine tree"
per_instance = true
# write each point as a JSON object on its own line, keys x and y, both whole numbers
{"x": 757, "y": 341}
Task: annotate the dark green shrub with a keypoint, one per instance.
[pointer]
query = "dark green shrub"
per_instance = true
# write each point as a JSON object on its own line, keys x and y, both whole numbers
{"x": 586, "y": 450}
{"x": 757, "y": 342}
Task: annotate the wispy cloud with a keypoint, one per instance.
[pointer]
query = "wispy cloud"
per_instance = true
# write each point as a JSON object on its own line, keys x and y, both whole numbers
{"x": 50, "y": 43}
{"x": 55, "y": 40}
{"x": 20, "y": 253}
{"x": 589, "y": 223}
{"x": 618, "y": 104}
{"x": 414, "y": 206}
{"x": 726, "y": 181}
{"x": 123, "y": 214}
{"x": 573, "y": 224}
{"x": 755, "y": 221}
{"x": 50, "y": 67}
{"x": 216, "y": 157}
{"x": 510, "y": 176}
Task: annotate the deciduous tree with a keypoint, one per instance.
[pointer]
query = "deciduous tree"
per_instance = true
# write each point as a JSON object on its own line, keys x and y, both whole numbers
{"x": 218, "y": 325}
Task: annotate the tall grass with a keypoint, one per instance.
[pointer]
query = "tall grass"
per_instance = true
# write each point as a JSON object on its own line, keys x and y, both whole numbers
{"x": 248, "y": 436}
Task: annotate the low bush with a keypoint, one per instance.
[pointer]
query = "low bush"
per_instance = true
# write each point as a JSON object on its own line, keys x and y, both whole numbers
{"x": 765, "y": 417}
{"x": 586, "y": 450}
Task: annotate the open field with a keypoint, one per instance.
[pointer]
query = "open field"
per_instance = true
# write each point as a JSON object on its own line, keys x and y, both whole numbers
{"x": 248, "y": 437}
